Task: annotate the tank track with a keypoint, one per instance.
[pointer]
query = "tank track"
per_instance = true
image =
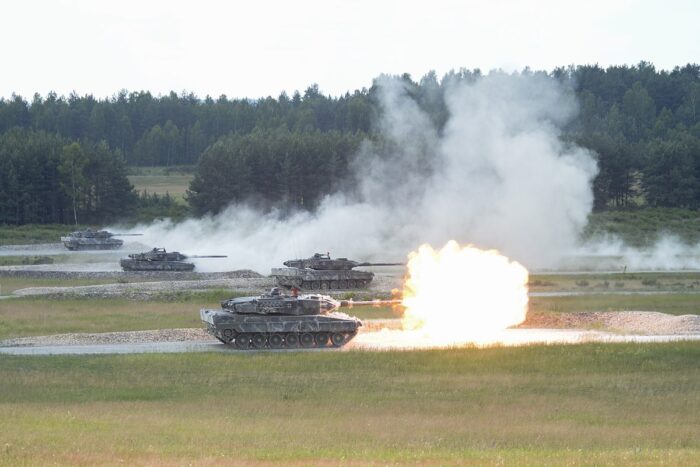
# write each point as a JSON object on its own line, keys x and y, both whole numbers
{"x": 287, "y": 340}
{"x": 329, "y": 284}
{"x": 93, "y": 247}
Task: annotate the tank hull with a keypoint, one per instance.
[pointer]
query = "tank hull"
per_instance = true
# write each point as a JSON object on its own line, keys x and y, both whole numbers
{"x": 135, "y": 265}
{"x": 254, "y": 331}
{"x": 312, "y": 279}
{"x": 74, "y": 244}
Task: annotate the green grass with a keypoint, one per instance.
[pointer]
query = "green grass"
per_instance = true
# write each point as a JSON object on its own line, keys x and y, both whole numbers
{"x": 163, "y": 170}
{"x": 23, "y": 260}
{"x": 32, "y": 317}
{"x": 9, "y": 284}
{"x": 586, "y": 404}
{"x": 40, "y": 316}
{"x": 34, "y": 233}
{"x": 651, "y": 281}
{"x": 675, "y": 304}
{"x": 175, "y": 185}
{"x": 642, "y": 226}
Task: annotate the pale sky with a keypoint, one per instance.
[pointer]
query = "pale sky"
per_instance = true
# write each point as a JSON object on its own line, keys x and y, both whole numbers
{"x": 260, "y": 48}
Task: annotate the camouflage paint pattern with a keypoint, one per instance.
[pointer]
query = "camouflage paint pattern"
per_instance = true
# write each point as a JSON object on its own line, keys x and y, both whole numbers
{"x": 280, "y": 321}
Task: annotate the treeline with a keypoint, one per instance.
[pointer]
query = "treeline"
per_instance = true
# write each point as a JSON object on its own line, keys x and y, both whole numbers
{"x": 175, "y": 129}
{"x": 643, "y": 123}
{"x": 273, "y": 168}
{"x": 46, "y": 179}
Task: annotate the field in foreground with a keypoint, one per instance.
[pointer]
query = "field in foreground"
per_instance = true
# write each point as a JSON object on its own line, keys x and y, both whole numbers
{"x": 587, "y": 404}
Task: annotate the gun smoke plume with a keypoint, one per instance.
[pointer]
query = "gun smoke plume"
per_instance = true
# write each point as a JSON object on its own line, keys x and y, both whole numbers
{"x": 498, "y": 175}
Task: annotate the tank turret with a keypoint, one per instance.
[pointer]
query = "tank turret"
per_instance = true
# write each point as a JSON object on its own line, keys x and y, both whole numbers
{"x": 158, "y": 259}
{"x": 275, "y": 320}
{"x": 321, "y": 262}
{"x": 323, "y": 272}
{"x": 90, "y": 239}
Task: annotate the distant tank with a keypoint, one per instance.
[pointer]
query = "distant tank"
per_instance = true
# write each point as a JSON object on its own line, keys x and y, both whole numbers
{"x": 323, "y": 272}
{"x": 90, "y": 239}
{"x": 276, "y": 321}
{"x": 159, "y": 260}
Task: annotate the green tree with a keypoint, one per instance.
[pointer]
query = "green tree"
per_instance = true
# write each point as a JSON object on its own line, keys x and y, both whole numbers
{"x": 73, "y": 162}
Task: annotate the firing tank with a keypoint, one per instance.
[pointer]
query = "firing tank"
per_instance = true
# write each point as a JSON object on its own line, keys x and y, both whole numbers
{"x": 274, "y": 320}
{"x": 323, "y": 272}
{"x": 160, "y": 260}
{"x": 90, "y": 239}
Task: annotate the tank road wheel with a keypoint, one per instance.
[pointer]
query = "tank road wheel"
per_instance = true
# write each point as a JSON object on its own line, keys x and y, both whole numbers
{"x": 338, "y": 339}
{"x": 307, "y": 340}
{"x": 351, "y": 284}
{"x": 243, "y": 341}
{"x": 228, "y": 335}
{"x": 276, "y": 341}
{"x": 335, "y": 285}
{"x": 292, "y": 340}
{"x": 259, "y": 340}
{"x": 342, "y": 285}
{"x": 316, "y": 285}
{"x": 322, "y": 339}
{"x": 325, "y": 285}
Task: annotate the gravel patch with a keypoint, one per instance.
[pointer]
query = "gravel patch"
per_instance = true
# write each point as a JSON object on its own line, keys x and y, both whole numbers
{"x": 627, "y": 322}
{"x": 157, "y": 335}
{"x": 145, "y": 289}
{"x": 125, "y": 337}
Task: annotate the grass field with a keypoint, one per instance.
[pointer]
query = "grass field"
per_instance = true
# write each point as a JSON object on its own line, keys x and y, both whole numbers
{"x": 587, "y": 404}
{"x": 34, "y": 233}
{"x": 10, "y": 284}
{"x": 642, "y": 226}
{"x": 33, "y": 259}
{"x": 175, "y": 185}
{"x": 161, "y": 180}
{"x": 604, "y": 282}
{"x": 41, "y": 316}
{"x": 675, "y": 304}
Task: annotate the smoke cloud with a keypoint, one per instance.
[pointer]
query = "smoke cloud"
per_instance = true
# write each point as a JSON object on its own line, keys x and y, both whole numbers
{"x": 498, "y": 175}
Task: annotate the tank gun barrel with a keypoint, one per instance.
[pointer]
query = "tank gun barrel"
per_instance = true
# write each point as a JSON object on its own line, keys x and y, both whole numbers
{"x": 352, "y": 303}
{"x": 207, "y": 256}
{"x": 125, "y": 235}
{"x": 382, "y": 264}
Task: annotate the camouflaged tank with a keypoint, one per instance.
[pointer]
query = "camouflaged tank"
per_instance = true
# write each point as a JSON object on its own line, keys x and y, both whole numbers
{"x": 325, "y": 273}
{"x": 278, "y": 321}
{"x": 90, "y": 239}
{"x": 159, "y": 260}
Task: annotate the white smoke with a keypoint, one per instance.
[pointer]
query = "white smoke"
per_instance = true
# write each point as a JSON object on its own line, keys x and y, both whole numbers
{"x": 667, "y": 253}
{"x": 497, "y": 176}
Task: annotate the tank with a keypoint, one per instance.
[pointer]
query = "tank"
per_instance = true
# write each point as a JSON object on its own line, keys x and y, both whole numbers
{"x": 278, "y": 321}
{"x": 323, "y": 272}
{"x": 160, "y": 260}
{"x": 90, "y": 239}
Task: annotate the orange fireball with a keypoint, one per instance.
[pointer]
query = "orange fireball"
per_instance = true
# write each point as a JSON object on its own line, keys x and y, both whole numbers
{"x": 462, "y": 294}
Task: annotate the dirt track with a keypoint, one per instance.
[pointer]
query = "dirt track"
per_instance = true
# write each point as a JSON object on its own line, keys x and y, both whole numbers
{"x": 639, "y": 323}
